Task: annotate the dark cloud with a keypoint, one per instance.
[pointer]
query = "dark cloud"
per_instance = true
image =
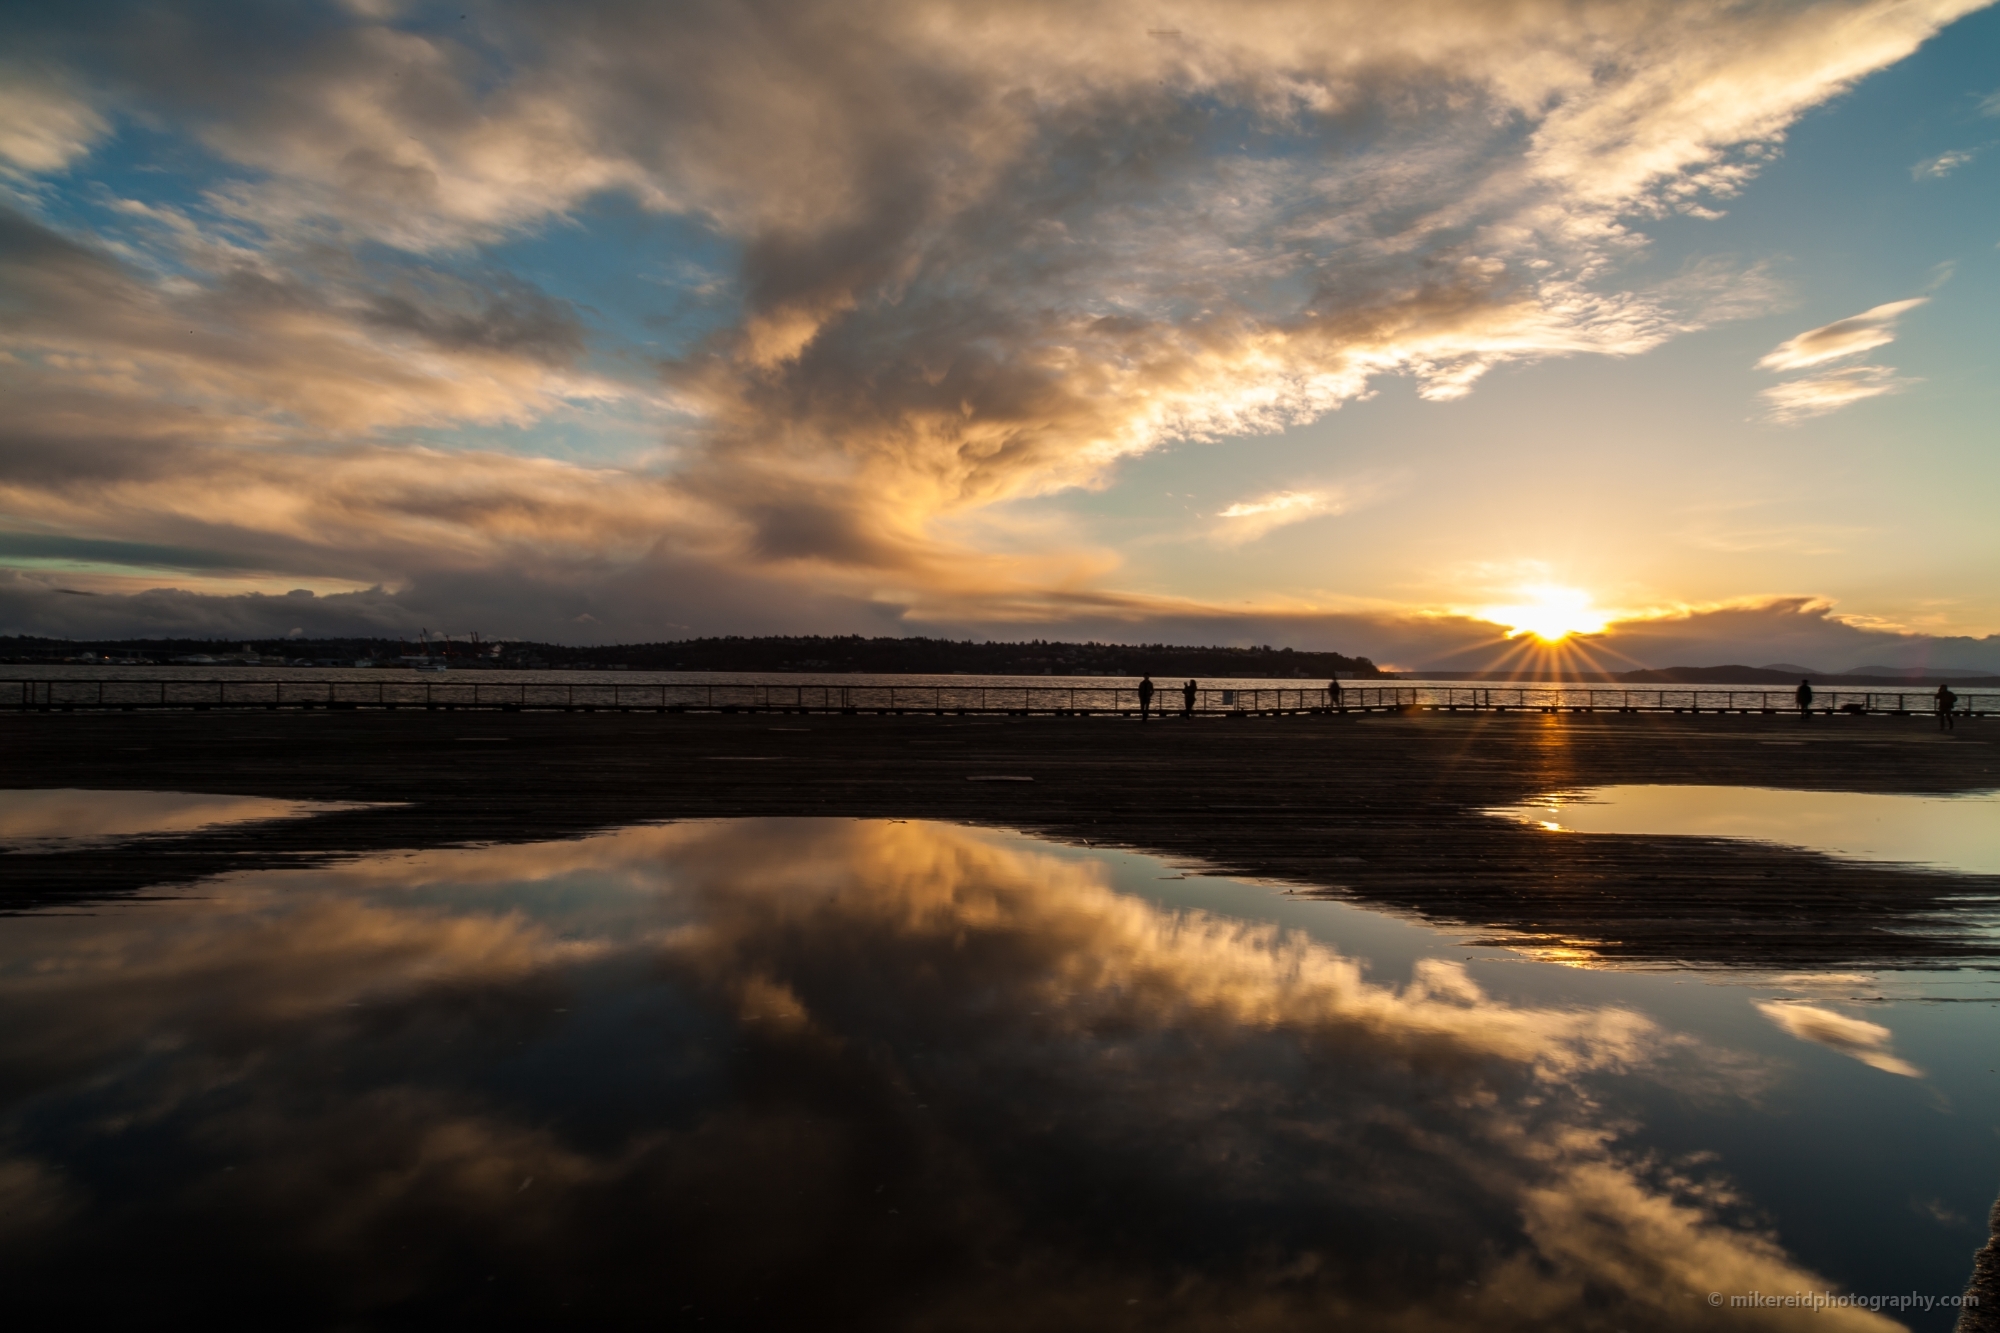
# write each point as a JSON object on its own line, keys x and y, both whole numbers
{"x": 981, "y": 254}
{"x": 666, "y": 596}
{"x": 662, "y": 598}
{"x": 506, "y": 315}
{"x": 137, "y": 554}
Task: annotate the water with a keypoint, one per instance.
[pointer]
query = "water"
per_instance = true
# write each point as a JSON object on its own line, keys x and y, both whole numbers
{"x": 868, "y": 1074}
{"x": 1959, "y": 833}
{"x": 55, "y": 820}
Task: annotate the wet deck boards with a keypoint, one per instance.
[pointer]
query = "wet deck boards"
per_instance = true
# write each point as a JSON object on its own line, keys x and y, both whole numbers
{"x": 1382, "y": 809}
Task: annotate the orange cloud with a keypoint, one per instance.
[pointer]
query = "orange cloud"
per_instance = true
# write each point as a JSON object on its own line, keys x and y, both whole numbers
{"x": 980, "y": 256}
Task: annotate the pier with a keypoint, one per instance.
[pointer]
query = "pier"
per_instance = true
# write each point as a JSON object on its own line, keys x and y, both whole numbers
{"x": 1384, "y": 808}
{"x": 132, "y": 694}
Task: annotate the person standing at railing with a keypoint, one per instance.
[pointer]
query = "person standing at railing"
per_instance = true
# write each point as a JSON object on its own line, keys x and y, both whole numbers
{"x": 1187, "y": 699}
{"x": 1947, "y": 704}
{"x": 1333, "y": 693}
{"x": 1804, "y": 695}
{"x": 1145, "y": 697}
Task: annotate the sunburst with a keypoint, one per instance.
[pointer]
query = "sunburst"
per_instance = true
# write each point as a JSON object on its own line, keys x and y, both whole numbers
{"x": 1550, "y": 614}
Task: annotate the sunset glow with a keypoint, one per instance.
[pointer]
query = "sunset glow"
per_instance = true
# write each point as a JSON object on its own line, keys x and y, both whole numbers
{"x": 1550, "y": 614}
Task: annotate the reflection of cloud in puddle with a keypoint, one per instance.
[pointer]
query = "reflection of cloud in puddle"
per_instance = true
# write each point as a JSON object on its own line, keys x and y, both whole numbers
{"x": 1937, "y": 1210}
{"x": 1072, "y": 1095}
{"x": 1865, "y": 1041}
{"x": 52, "y": 819}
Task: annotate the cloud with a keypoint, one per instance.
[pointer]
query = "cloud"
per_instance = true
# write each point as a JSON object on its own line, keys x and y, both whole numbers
{"x": 1807, "y": 629}
{"x": 1844, "y": 337}
{"x": 97, "y": 346}
{"x": 1816, "y": 395}
{"x": 1936, "y": 168}
{"x": 665, "y": 595}
{"x": 1865, "y": 1041}
{"x": 1247, "y": 520}
{"x": 505, "y": 589}
{"x": 45, "y": 122}
{"x": 235, "y": 421}
{"x": 519, "y": 595}
{"x": 976, "y": 255}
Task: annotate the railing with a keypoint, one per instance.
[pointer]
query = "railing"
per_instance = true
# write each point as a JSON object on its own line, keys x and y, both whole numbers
{"x": 1687, "y": 699}
{"x": 69, "y": 694}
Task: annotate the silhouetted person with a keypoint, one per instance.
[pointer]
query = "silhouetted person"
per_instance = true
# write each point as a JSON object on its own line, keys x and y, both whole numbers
{"x": 1947, "y": 702}
{"x": 1333, "y": 692}
{"x": 1145, "y": 697}
{"x": 1187, "y": 699}
{"x": 1804, "y": 695}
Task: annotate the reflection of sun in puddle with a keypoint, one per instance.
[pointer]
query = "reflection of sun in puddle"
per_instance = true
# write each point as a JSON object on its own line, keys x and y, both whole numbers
{"x": 1960, "y": 833}
{"x": 1571, "y": 953}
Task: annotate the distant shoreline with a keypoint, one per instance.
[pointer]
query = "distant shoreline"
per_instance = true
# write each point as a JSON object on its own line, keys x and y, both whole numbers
{"x": 812, "y": 656}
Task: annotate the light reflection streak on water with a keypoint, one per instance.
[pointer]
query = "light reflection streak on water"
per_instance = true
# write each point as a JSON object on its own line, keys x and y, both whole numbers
{"x": 1960, "y": 833}
{"x": 893, "y": 1073}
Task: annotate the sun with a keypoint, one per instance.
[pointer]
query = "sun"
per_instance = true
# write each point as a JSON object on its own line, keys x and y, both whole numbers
{"x": 1549, "y": 613}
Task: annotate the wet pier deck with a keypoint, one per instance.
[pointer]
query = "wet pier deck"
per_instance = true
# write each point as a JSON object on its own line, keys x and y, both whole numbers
{"x": 1380, "y": 808}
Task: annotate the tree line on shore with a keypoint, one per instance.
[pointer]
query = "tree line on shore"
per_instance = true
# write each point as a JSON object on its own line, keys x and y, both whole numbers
{"x": 776, "y": 653}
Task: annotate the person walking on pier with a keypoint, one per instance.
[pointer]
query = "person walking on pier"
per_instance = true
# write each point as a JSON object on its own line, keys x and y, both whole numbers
{"x": 1804, "y": 695}
{"x": 1187, "y": 699}
{"x": 1145, "y": 697}
{"x": 1947, "y": 705}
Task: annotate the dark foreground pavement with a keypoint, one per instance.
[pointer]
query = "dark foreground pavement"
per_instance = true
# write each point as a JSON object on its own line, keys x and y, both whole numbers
{"x": 1380, "y": 809}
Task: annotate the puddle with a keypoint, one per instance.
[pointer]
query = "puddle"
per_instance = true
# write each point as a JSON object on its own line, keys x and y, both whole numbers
{"x": 803, "y": 1073}
{"x": 55, "y": 820}
{"x": 1957, "y": 833}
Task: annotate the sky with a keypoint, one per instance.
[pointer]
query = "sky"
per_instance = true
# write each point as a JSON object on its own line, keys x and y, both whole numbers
{"x": 1449, "y": 333}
